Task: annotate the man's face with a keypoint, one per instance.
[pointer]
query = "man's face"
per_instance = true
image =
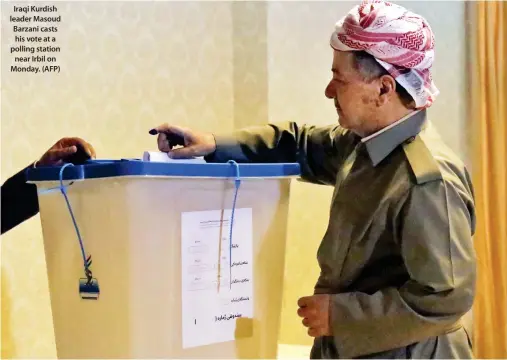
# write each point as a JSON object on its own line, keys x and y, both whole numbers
{"x": 355, "y": 99}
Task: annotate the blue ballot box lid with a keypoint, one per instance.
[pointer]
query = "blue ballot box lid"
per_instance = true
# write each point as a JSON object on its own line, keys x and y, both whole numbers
{"x": 94, "y": 169}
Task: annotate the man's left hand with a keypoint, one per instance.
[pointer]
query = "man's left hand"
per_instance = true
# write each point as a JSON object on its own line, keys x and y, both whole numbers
{"x": 316, "y": 314}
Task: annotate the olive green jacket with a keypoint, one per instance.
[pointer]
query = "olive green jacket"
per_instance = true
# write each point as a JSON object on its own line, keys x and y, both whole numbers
{"x": 397, "y": 255}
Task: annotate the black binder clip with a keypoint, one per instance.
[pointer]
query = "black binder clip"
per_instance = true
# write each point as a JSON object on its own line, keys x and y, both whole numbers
{"x": 89, "y": 286}
{"x": 89, "y": 289}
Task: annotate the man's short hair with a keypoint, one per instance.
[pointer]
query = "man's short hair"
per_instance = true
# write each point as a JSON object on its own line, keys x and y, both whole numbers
{"x": 370, "y": 69}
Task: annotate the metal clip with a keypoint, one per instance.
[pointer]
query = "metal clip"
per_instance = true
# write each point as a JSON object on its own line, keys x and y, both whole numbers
{"x": 89, "y": 289}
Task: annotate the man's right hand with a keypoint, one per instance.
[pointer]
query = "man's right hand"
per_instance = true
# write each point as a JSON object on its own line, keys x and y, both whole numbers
{"x": 194, "y": 144}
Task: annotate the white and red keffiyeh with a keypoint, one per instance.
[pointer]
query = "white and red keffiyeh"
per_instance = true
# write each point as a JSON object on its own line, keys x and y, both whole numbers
{"x": 401, "y": 41}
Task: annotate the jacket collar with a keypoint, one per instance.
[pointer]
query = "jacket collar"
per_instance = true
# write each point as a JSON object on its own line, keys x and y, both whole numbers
{"x": 380, "y": 144}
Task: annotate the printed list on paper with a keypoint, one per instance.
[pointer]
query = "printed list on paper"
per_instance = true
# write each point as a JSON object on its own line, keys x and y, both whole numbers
{"x": 215, "y": 294}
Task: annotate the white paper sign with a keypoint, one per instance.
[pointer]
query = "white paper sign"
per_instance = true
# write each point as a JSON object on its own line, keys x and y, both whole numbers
{"x": 214, "y": 294}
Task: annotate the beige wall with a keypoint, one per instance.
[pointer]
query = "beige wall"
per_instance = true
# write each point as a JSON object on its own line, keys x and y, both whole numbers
{"x": 211, "y": 65}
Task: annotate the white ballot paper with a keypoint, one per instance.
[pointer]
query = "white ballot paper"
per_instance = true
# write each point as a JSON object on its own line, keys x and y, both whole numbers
{"x": 211, "y": 299}
{"x": 159, "y": 156}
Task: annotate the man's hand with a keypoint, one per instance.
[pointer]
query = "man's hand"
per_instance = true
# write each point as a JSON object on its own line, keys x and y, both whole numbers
{"x": 69, "y": 149}
{"x": 316, "y": 314}
{"x": 194, "y": 143}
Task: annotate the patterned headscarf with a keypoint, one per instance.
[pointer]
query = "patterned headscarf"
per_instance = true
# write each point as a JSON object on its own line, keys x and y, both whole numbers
{"x": 402, "y": 43}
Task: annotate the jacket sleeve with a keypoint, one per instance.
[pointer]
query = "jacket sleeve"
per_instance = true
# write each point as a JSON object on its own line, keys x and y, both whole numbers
{"x": 436, "y": 225}
{"x": 19, "y": 201}
{"x": 318, "y": 150}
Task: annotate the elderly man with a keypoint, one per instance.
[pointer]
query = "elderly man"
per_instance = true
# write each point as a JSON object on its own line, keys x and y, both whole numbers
{"x": 19, "y": 199}
{"x": 397, "y": 260}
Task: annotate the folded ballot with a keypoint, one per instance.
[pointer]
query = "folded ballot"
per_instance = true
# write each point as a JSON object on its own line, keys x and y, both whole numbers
{"x": 158, "y": 156}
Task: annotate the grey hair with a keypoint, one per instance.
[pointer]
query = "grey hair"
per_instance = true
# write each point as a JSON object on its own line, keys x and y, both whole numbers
{"x": 370, "y": 69}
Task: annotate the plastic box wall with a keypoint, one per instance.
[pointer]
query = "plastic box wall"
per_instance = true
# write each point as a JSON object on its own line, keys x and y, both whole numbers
{"x": 132, "y": 227}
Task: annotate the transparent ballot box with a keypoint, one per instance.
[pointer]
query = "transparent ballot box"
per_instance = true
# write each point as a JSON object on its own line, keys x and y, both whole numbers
{"x": 165, "y": 260}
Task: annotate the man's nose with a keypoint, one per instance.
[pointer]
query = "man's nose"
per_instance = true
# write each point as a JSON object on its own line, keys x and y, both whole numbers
{"x": 330, "y": 93}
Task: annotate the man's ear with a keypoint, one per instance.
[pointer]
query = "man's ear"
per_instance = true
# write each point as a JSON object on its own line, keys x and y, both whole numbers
{"x": 387, "y": 89}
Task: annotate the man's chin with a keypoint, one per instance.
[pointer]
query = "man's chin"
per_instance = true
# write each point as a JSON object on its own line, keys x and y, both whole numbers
{"x": 347, "y": 126}
{"x": 343, "y": 122}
